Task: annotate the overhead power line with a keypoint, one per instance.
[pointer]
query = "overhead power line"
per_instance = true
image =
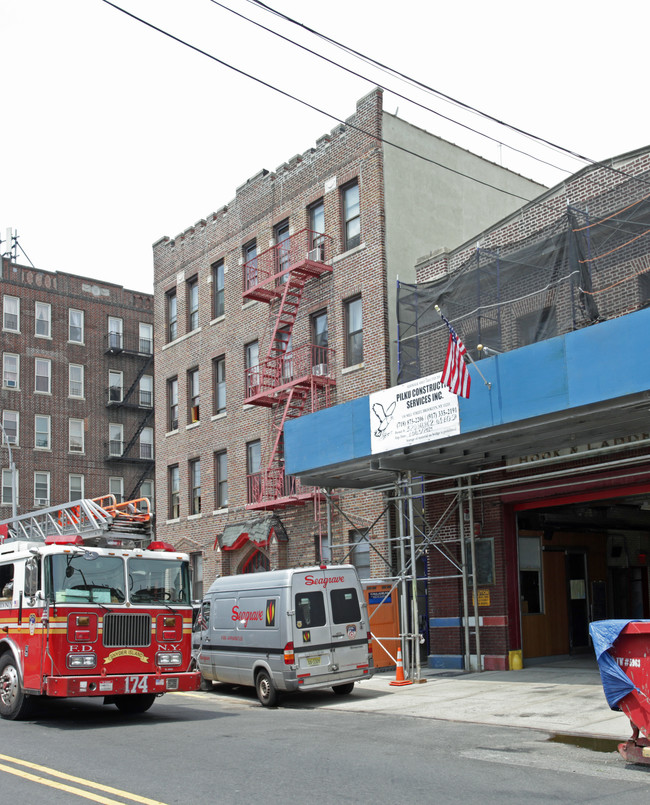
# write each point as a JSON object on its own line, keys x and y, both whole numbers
{"x": 310, "y": 105}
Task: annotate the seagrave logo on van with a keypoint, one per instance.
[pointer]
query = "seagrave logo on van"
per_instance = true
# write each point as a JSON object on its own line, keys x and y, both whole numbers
{"x": 245, "y": 615}
{"x": 323, "y": 581}
{"x": 270, "y": 613}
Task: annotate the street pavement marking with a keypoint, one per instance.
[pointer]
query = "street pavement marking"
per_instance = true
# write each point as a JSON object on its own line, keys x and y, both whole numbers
{"x": 70, "y": 789}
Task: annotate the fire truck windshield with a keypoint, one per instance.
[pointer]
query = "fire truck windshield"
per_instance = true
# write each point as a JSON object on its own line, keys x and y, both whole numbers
{"x": 86, "y": 578}
{"x": 158, "y": 581}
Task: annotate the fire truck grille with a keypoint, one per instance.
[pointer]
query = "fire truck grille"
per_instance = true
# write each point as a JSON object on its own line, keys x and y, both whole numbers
{"x": 127, "y": 630}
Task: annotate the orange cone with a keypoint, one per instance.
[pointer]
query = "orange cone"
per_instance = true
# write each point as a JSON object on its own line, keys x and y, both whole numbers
{"x": 399, "y": 677}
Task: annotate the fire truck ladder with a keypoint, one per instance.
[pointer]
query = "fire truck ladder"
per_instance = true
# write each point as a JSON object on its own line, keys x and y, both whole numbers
{"x": 88, "y": 518}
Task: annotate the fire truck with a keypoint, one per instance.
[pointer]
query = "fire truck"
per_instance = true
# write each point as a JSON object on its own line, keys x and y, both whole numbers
{"x": 91, "y": 606}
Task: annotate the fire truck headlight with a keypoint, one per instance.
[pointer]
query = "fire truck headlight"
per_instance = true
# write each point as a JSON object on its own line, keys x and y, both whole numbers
{"x": 81, "y": 660}
{"x": 169, "y": 658}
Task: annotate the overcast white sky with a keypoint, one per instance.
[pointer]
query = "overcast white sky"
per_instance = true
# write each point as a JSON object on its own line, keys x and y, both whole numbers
{"x": 113, "y": 135}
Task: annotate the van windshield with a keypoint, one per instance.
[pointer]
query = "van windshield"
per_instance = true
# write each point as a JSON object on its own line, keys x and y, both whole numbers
{"x": 310, "y": 610}
{"x": 345, "y": 605}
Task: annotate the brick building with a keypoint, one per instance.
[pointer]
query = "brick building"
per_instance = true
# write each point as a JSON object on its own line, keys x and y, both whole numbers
{"x": 280, "y": 303}
{"x": 77, "y": 389}
{"x": 542, "y": 480}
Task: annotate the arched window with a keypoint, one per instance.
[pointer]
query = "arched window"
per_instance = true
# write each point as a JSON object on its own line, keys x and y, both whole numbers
{"x": 256, "y": 563}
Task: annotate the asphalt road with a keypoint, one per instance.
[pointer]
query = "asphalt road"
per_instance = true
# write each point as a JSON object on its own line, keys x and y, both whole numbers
{"x": 223, "y": 748}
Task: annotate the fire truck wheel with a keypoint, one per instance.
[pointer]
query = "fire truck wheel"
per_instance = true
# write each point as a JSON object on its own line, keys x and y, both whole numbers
{"x": 14, "y": 703}
{"x": 266, "y": 691}
{"x": 343, "y": 690}
{"x": 135, "y": 703}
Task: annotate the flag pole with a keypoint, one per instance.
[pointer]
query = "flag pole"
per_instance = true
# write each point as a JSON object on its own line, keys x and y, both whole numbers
{"x": 471, "y": 360}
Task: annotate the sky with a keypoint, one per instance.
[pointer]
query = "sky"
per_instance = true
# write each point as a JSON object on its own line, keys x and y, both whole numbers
{"x": 114, "y": 135}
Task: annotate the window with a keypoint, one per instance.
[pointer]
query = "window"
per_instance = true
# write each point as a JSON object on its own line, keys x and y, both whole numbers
{"x": 42, "y": 429}
{"x": 192, "y": 304}
{"x": 146, "y": 444}
{"x": 174, "y": 483}
{"x": 172, "y": 404}
{"x": 195, "y": 486}
{"x": 360, "y": 553}
{"x": 320, "y": 341}
{"x": 282, "y": 249}
{"x": 351, "y": 217}
{"x": 115, "y": 439}
{"x": 250, "y": 264}
{"x": 115, "y": 386}
{"x": 43, "y": 320}
{"x": 10, "y": 371}
{"x": 310, "y": 610}
{"x": 116, "y": 487}
{"x": 146, "y": 491}
{"x": 76, "y": 435}
{"x": 115, "y": 333}
{"x": 76, "y": 487}
{"x": 218, "y": 289}
{"x": 10, "y": 421}
{"x": 317, "y": 229}
{"x": 530, "y": 576}
{"x": 75, "y": 380}
{"x": 345, "y": 605}
{"x": 219, "y": 384}
{"x": 7, "y": 487}
{"x": 76, "y": 326}
{"x": 193, "y": 396}
{"x": 253, "y": 463}
{"x": 146, "y": 391}
{"x": 252, "y": 368}
{"x": 221, "y": 479}
{"x": 11, "y": 314}
{"x": 41, "y": 489}
{"x": 43, "y": 375}
{"x": 353, "y": 332}
{"x": 145, "y": 345}
{"x": 172, "y": 315}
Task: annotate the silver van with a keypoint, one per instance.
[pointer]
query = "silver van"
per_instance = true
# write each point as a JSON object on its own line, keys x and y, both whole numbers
{"x": 284, "y": 630}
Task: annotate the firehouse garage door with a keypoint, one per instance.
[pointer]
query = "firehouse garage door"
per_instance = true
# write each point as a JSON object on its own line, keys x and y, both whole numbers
{"x": 581, "y": 562}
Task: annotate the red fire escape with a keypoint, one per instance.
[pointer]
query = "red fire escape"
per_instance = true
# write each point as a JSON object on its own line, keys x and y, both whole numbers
{"x": 289, "y": 380}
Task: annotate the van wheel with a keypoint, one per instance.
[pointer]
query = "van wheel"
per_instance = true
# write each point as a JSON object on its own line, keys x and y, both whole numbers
{"x": 343, "y": 690}
{"x": 266, "y": 691}
{"x": 15, "y": 704}
{"x": 134, "y": 703}
{"x": 206, "y": 684}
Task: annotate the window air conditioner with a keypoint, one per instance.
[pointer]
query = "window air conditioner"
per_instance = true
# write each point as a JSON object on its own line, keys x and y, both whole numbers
{"x": 319, "y": 369}
{"x": 11, "y": 384}
{"x": 317, "y": 254}
{"x": 41, "y": 502}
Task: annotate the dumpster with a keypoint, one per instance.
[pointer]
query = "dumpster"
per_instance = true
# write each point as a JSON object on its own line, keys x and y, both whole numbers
{"x": 623, "y": 652}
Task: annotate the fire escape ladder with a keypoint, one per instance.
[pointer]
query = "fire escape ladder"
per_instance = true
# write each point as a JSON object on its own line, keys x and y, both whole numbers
{"x": 273, "y": 476}
{"x": 146, "y": 472}
{"x": 138, "y": 377}
{"x": 139, "y": 429}
{"x": 286, "y": 316}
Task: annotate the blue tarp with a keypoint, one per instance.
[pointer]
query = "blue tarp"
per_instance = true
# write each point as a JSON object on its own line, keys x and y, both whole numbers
{"x": 616, "y": 683}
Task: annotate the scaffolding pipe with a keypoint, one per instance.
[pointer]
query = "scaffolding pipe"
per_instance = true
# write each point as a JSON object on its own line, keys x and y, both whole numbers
{"x": 472, "y": 537}
{"x": 403, "y": 597}
{"x": 415, "y": 618}
{"x": 463, "y": 560}
{"x": 327, "y": 555}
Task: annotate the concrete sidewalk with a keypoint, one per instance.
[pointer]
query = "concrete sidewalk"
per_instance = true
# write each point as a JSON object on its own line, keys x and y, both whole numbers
{"x": 562, "y": 697}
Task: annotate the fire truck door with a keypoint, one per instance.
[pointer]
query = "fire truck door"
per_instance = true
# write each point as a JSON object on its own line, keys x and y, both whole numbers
{"x": 33, "y": 631}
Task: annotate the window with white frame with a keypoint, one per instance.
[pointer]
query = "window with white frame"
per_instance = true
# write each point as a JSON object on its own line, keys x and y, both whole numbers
{"x": 76, "y": 380}
{"x": 219, "y": 384}
{"x": 174, "y": 491}
{"x": 172, "y": 403}
{"x": 146, "y": 444}
{"x": 42, "y": 432}
{"x": 75, "y": 326}
{"x": 353, "y": 331}
{"x": 116, "y": 487}
{"x": 192, "y": 304}
{"x": 195, "y": 486}
{"x": 43, "y": 375}
{"x": 146, "y": 391}
{"x": 11, "y": 314}
{"x": 146, "y": 491}
{"x": 115, "y": 439}
{"x": 351, "y": 216}
{"x": 76, "y": 435}
{"x": 221, "y": 479}
{"x": 145, "y": 346}
{"x": 252, "y": 362}
{"x": 115, "y": 386}
{"x": 76, "y": 487}
{"x": 10, "y": 370}
{"x": 41, "y": 489}
{"x": 7, "y": 487}
{"x": 43, "y": 320}
{"x": 115, "y": 333}
{"x": 10, "y": 425}
{"x": 193, "y": 396}
{"x": 218, "y": 289}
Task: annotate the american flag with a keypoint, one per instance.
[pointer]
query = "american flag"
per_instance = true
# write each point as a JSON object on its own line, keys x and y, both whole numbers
{"x": 455, "y": 375}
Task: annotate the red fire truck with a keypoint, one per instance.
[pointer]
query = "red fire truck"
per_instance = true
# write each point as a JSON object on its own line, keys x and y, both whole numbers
{"x": 90, "y": 606}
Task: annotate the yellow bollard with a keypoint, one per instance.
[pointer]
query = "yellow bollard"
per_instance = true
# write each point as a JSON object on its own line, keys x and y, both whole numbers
{"x": 515, "y": 661}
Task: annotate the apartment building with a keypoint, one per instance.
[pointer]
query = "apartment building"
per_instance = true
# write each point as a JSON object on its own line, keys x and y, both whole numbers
{"x": 77, "y": 390}
{"x": 280, "y": 303}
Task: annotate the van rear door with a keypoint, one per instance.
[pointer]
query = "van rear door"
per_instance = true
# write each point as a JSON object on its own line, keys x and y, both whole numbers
{"x": 349, "y": 624}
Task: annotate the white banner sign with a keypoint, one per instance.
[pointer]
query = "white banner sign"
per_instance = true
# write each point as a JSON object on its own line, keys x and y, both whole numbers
{"x": 415, "y": 412}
